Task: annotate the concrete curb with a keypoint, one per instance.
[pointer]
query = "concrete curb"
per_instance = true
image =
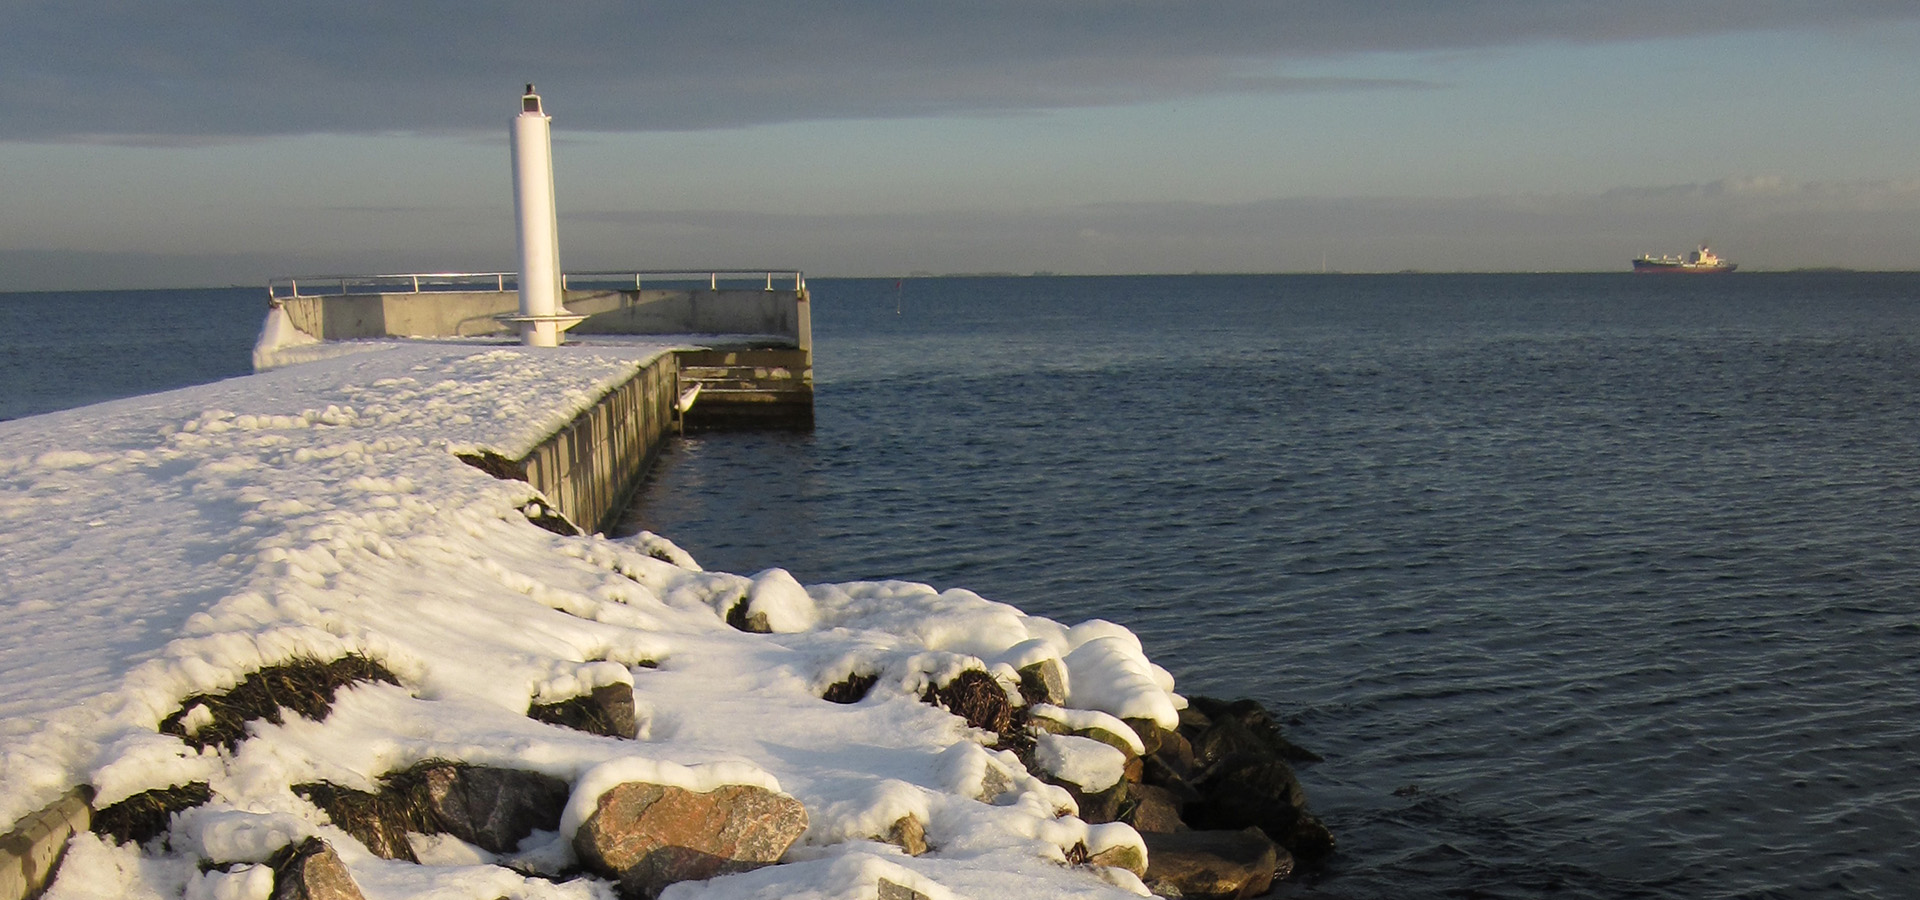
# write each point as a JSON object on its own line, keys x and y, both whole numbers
{"x": 31, "y": 852}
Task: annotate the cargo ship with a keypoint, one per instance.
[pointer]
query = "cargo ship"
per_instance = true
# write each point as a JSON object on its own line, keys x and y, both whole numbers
{"x": 1702, "y": 260}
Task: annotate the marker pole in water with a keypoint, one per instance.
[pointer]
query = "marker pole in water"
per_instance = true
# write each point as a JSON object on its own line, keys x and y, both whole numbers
{"x": 540, "y": 318}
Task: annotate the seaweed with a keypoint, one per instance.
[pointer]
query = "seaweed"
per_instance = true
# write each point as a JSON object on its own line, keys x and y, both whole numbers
{"x": 851, "y": 689}
{"x": 304, "y": 685}
{"x": 975, "y": 696}
{"x": 496, "y": 465}
{"x": 146, "y": 815}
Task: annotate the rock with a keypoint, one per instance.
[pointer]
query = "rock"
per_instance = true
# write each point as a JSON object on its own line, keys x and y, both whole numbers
{"x": 909, "y": 834}
{"x": 1308, "y": 840}
{"x": 1242, "y": 776}
{"x": 851, "y": 689}
{"x": 1248, "y": 791}
{"x": 1156, "y": 773}
{"x": 1131, "y": 770}
{"x": 1152, "y": 808}
{"x": 975, "y": 696}
{"x": 1096, "y": 807}
{"x": 892, "y": 891}
{"x": 1110, "y": 739}
{"x": 1044, "y": 682}
{"x": 1262, "y": 792}
{"x": 648, "y": 836}
{"x": 380, "y": 822}
{"x": 1175, "y": 754}
{"x": 607, "y": 710}
{"x": 492, "y": 808}
{"x": 1213, "y": 865}
{"x": 741, "y": 620}
{"x": 1151, "y": 734}
{"x": 1121, "y": 856}
{"x": 310, "y": 870}
{"x": 1254, "y": 782}
{"x": 993, "y": 784}
{"x": 1082, "y": 762}
{"x": 1241, "y": 726}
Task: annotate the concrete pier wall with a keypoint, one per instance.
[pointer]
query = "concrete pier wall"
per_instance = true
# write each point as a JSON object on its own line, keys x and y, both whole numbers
{"x": 753, "y": 363}
{"x": 30, "y": 854}
{"x": 780, "y": 313}
{"x": 589, "y": 469}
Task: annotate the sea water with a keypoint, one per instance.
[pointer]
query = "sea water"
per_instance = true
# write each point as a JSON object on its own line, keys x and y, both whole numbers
{"x": 61, "y": 349}
{"x": 1584, "y": 585}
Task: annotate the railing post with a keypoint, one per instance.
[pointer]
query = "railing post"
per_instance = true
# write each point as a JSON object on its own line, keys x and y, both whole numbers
{"x": 713, "y": 281}
{"x": 416, "y": 284}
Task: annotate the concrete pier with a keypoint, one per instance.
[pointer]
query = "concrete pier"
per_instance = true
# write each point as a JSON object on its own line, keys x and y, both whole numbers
{"x": 749, "y": 349}
{"x": 589, "y": 469}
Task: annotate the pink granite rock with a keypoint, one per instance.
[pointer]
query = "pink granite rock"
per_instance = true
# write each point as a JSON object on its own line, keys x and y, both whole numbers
{"x": 648, "y": 836}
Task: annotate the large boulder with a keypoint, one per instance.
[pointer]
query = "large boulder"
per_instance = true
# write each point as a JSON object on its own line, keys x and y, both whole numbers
{"x": 1213, "y": 865}
{"x": 648, "y": 836}
{"x": 1261, "y": 792}
{"x": 1152, "y": 808}
{"x": 1240, "y": 776}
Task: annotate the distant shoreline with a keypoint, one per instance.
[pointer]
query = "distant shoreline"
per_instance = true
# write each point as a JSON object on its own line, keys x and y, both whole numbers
{"x": 921, "y": 275}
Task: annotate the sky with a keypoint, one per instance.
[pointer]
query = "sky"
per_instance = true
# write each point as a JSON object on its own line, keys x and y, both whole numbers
{"x": 170, "y": 144}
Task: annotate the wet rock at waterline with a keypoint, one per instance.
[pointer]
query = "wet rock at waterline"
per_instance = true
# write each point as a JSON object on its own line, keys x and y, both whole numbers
{"x": 1214, "y": 865}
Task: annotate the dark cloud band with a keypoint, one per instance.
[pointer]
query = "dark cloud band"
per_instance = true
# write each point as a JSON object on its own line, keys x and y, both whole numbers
{"x": 144, "y": 71}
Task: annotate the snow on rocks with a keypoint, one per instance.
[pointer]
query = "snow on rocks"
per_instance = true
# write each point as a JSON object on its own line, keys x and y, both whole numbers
{"x": 1088, "y": 764}
{"x": 647, "y": 836}
{"x": 171, "y": 547}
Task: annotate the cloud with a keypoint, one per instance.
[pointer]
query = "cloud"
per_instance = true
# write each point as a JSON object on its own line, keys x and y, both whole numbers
{"x": 1773, "y": 193}
{"x": 1763, "y": 222}
{"x": 141, "y": 72}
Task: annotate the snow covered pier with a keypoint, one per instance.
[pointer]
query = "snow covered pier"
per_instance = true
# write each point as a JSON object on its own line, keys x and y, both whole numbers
{"x": 746, "y": 335}
{"x": 278, "y": 633}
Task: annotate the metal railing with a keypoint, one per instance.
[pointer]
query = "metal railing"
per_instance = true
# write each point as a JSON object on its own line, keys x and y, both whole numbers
{"x": 289, "y": 287}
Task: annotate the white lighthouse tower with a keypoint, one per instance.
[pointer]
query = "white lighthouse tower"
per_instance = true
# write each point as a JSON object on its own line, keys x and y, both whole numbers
{"x": 541, "y": 318}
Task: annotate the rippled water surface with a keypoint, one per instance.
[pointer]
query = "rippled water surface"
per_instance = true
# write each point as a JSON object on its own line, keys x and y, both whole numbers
{"x": 1586, "y": 586}
{"x": 61, "y": 349}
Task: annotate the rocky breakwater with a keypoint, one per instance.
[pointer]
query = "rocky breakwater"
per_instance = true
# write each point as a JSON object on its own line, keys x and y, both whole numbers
{"x": 1063, "y": 746}
{"x": 1215, "y": 800}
